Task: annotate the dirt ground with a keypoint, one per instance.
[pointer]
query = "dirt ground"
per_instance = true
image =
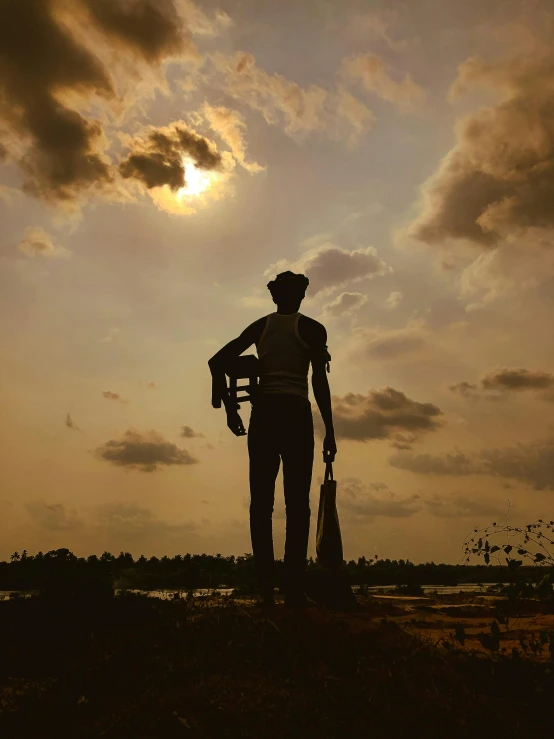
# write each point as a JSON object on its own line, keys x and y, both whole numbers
{"x": 435, "y": 618}
{"x": 137, "y": 667}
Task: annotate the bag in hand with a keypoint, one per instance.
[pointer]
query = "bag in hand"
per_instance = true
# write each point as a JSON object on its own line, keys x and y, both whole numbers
{"x": 328, "y": 539}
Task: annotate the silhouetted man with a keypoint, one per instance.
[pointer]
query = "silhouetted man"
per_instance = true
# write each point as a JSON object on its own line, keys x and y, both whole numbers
{"x": 281, "y": 426}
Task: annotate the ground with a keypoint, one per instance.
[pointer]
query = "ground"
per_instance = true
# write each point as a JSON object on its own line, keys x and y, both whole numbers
{"x": 138, "y": 667}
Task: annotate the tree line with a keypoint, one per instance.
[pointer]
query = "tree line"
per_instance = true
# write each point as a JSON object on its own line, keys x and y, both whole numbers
{"x": 26, "y": 571}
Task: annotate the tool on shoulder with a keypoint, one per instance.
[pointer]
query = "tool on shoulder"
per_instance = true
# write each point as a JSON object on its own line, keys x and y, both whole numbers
{"x": 245, "y": 367}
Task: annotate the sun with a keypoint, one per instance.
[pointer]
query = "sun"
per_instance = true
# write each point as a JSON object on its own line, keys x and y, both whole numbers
{"x": 197, "y": 180}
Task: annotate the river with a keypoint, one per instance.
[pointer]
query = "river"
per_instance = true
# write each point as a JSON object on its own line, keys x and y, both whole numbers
{"x": 173, "y": 594}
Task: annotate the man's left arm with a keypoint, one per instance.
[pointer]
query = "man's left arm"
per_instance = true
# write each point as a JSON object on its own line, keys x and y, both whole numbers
{"x": 320, "y": 385}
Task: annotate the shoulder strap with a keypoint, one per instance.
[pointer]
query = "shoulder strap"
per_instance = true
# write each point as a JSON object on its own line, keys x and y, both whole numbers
{"x": 264, "y": 332}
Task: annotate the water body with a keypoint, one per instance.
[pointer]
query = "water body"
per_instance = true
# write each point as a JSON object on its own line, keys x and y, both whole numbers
{"x": 173, "y": 594}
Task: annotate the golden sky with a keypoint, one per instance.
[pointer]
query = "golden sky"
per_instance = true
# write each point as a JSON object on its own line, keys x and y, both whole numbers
{"x": 160, "y": 160}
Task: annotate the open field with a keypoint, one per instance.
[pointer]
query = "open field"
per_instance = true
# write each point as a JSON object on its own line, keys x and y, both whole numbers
{"x": 138, "y": 667}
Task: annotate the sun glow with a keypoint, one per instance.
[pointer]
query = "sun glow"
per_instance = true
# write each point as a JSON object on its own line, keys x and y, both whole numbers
{"x": 202, "y": 187}
{"x": 197, "y": 180}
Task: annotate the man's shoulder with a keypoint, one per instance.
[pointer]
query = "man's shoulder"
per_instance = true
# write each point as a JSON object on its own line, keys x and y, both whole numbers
{"x": 254, "y": 330}
{"x": 312, "y": 331}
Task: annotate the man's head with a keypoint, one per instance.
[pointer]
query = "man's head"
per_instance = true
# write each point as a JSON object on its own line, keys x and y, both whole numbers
{"x": 288, "y": 291}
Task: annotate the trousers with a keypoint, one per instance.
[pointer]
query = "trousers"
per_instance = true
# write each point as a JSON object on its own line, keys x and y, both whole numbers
{"x": 280, "y": 429}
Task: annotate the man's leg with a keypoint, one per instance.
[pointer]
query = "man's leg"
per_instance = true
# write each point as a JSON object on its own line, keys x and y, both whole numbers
{"x": 298, "y": 456}
{"x": 264, "y": 467}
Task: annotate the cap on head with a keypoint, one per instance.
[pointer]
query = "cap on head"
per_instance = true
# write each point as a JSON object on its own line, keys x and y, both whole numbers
{"x": 288, "y": 286}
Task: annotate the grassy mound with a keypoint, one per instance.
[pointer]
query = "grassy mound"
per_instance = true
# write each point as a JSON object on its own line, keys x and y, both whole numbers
{"x": 136, "y": 667}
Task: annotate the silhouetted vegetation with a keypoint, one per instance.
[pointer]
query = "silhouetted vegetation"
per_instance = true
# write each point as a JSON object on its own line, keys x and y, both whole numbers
{"x": 191, "y": 571}
{"x": 132, "y": 666}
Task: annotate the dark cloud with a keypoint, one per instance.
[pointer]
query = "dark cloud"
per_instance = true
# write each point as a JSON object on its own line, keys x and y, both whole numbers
{"x": 517, "y": 379}
{"x": 189, "y": 433}
{"x": 402, "y": 441}
{"x": 329, "y": 266}
{"x": 39, "y": 59}
{"x": 109, "y": 395}
{"x": 146, "y": 451}
{"x": 456, "y": 463}
{"x": 367, "y": 501}
{"x": 500, "y": 175}
{"x": 69, "y": 423}
{"x": 54, "y": 517}
{"x": 157, "y": 160}
{"x": 531, "y": 463}
{"x": 149, "y": 28}
{"x": 466, "y": 389}
{"x": 498, "y": 383}
{"x": 45, "y": 67}
{"x": 382, "y": 414}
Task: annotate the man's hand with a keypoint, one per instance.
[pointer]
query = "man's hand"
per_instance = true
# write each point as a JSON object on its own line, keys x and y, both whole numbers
{"x": 329, "y": 448}
{"x": 234, "y": 422}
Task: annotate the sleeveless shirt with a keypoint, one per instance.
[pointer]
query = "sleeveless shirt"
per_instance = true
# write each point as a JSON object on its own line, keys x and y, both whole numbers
{"x": 284, "y": 356}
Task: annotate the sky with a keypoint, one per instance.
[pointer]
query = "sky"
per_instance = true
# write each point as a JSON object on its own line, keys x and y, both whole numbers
{"x": 162, "y": 160}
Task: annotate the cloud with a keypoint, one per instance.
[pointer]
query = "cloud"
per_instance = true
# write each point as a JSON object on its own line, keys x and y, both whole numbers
{"x": 301, "y": 111}
{"x": 146, "y": 451}
{"x": 202, "y": 25}
{"x": 519, "y": 264}
{"x": 460, "y": 506}
{"x": 329, "y": 266}
{"x": 531, "y": 463}
{"x": 159, "y": 158}
{"x": 517, "y": 379}
{"x": 367, "y": 501}
{"x": 109, "y": 395}
{"x": 151, "y": 29}
{"x": 189, "y": 433}
{"x": 402, "y": 441}
{"x": 500, "y": 382}
{"x": 345, "y": 304}
{"x": 381, "y": 414}
{"x": 372, "y": 73}
{"x": 132, "y": 519}
{"x": 395, "y": 299}
{"x": 54, "y": 517}
{"x": 455, "y": 463}
{"x": 406, "y": 344}
{"x": 377, "y": 25}
{"x": 69, "y": 423}
{"x": 355, "y": 113}
{"x": 499, "y": 177}
{"x": 52, "y": 70}
{"x": 37, "y": 242}
{"x": 466, "y": 389}
{"x": 229, "y": 125}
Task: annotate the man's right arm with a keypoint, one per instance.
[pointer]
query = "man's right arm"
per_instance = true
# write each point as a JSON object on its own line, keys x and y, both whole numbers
{"x": 217, "y": 367}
